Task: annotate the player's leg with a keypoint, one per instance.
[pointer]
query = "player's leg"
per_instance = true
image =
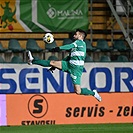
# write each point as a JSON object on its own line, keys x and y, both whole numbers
{"x": 61, "y": 65}
{"x": 57, "y": 64}
{"x": 45, "y": 63}
{"x": 83, "y": 91}
{"x": 76, "y": 79}
{"x": 48, "y": 63}
{"x": 32, "y": 60}
{"x": 75, "y": 75}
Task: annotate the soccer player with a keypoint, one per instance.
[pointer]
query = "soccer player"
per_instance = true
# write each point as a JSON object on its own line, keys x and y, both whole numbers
{"x": 73, "y": 64}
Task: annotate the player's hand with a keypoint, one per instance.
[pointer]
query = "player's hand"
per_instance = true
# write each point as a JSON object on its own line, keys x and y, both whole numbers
{"x": 51, "y": 69}
{"x": 56, "y": 49}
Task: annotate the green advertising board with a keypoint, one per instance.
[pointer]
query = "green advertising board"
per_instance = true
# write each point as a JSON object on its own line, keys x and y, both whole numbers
{"x": 54, "y": 15}
{"x": 43, "y": 15}
{"x": 65, "y": 15}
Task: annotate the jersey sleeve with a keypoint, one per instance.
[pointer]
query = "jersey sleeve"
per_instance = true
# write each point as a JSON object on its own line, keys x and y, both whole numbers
{"x": 68, "y": 46}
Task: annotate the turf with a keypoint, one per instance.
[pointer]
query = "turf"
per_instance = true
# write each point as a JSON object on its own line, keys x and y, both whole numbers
{"x": 85, "y": 128}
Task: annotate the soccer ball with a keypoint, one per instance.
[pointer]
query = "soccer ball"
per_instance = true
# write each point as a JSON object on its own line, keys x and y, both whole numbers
{"x": 48, "y": 38}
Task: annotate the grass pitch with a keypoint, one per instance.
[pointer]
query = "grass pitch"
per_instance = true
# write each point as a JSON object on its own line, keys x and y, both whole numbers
{"x": 82, "y": 128}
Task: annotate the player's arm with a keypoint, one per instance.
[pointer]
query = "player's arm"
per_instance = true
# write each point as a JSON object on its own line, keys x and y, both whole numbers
{"x": 64, "y": 47}
{"x": 67, "y": 47}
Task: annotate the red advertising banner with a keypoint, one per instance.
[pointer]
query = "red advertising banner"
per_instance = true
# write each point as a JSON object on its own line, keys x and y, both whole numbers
{"x": 42, "y": 109}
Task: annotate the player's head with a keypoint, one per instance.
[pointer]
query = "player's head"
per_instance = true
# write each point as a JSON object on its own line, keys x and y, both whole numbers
{"x": 80, "y": 34}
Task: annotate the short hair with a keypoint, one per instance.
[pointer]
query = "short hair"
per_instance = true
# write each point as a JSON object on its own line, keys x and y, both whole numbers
{"x": 82, "y": 31}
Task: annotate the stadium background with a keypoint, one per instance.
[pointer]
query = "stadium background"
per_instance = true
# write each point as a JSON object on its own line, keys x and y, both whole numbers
{"x": 55, "y": 102}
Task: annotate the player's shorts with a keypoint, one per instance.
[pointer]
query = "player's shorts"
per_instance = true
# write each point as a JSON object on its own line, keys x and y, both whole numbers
{"x": 74, "y": 71}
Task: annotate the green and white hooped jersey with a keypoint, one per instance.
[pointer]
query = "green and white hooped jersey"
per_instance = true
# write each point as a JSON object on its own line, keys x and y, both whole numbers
{"x": 78, "y": 52}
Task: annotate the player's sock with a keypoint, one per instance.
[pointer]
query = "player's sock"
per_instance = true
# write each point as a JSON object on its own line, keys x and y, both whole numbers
{"x": 45, "y": 63}
{"x": 85, "y": 91}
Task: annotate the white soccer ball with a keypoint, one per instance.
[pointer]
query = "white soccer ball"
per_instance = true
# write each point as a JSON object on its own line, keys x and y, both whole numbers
{"x": 48, "y": 38}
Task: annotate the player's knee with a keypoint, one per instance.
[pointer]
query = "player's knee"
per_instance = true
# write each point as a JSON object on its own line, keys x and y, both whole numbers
{"x": 51, "y": 62}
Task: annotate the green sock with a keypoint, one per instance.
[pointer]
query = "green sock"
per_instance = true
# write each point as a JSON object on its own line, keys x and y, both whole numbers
{"x": 85, "y": 91}
{"x": 45, "y": 63}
